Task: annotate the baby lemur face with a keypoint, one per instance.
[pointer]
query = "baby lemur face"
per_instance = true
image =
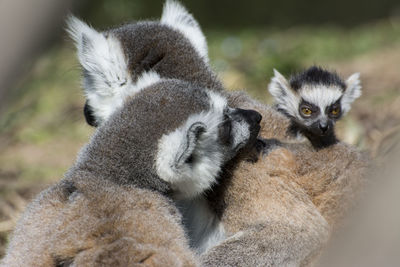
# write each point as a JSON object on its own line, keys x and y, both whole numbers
{"x": 314, "y": 100}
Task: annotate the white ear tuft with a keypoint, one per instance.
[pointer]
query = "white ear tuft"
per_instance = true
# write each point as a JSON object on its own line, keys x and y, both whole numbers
{"x": 178, "y": 18}
{"x": 285, "y": 98}
{"x": 352, "y": 91}
{"x": 279, "y": 85}
{"x": 104, "y": 65}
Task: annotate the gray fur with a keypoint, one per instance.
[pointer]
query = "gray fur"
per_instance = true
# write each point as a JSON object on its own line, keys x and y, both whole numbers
{"x": 125, "y": 147}
{"x": 153, "y": 46}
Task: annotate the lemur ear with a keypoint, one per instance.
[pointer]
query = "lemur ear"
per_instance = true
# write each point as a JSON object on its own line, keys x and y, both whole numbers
{"x": 186, "y": 154}
{"x": 280, "y": 89}
{"x": 352, "y": 91}
{"x": 104, "y": 67}
{"x": 279, "y": 86}
{"x": 177, "y": 17}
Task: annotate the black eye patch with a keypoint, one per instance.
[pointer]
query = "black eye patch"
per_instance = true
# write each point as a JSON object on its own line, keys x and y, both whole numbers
{"x": 335, "y": 110}
{"x": 307, "y": 105}
{"x": 225, "y": 130}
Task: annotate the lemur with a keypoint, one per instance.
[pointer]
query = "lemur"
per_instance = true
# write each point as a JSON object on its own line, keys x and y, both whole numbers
{"x": 158, "y": 140}
{"x": 152, "y": 145}
{"x": 269, "y": 213}
{"x": 314, "y": 100}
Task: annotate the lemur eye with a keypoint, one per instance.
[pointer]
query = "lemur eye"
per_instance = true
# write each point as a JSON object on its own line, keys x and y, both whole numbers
{"x": 306, "y": 111}
{"x": 335, "y": 111}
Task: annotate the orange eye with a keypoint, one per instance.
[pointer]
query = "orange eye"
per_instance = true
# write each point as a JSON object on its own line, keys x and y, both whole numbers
{"x": 306, "y": 111}
{"x": 335, "y": 111}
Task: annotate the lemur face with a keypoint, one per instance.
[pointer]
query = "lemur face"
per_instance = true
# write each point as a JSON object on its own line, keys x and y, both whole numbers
{"x": 314, "y": 100}
{"x": 319, "y": 116}
{"x": 192, "y": 155}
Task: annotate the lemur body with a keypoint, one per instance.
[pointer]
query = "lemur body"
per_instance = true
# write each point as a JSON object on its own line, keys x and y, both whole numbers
{"x": 281, "y": 210}
{"x": 151, "y": 144}
{"x": 166, "y": 138}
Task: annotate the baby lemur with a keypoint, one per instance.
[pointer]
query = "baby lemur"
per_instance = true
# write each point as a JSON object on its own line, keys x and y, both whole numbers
{"x": 314, "y": 100}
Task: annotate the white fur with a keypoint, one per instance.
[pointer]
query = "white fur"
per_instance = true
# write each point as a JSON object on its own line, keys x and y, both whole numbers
{"x": 178, "y": 18}
{"x": 286, "y": 99}
{"x": 321, "y": 95}
{"x": 190, "y": 180}
{"x": 102, "y": 57}
{"x": 105, "y": 105}
{"x": 217, "y": 102}
{"x": 352, "y": 92}
{"x": 205, "y": 229}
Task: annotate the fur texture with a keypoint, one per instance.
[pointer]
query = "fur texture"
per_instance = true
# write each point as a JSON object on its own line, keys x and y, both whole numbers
{"x": 281, "y": 210}
{"x": 120, "y": 61}
{"x": 108, "y": 218}
{"x": 92, "y": 222}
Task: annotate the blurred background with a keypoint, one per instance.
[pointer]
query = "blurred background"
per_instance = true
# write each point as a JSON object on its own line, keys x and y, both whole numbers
{"x": 41, "y": 120}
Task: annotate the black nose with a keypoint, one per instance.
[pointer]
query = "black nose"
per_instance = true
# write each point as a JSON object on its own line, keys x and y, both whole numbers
{"x": 324, "y": 128}
{"x": 251, "y": 115}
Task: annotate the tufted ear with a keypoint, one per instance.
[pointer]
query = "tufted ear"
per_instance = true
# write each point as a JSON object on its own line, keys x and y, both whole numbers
{"x": 284, "y": 96}
{"x": 178, "y": 18}
{"x": 104, "y": 66}
{"x": 352, "y": 91}
{"x": 106, "y": 78}
{"x": 185, "y": 155}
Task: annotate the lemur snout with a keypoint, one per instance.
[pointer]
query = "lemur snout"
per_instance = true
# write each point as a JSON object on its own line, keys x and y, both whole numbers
{"x": 324, "y": 127}
{"x": 251, "y": 116}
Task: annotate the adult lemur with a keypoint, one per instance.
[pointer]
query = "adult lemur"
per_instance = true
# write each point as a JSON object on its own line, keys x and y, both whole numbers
{"x": 314, "y": 100}
{"x": 160, "y": 140}
{"x": 279, "y": 210}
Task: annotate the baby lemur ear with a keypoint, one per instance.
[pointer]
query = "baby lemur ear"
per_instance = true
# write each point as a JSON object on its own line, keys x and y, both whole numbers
{"x": 177, "y": 17}
{"x": 104, "y": 68}
{"x": 352, "y": 91}
{"x": 284, "y": 96}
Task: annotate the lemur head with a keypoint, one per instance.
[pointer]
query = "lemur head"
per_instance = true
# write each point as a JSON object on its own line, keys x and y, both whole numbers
{"x": 121, "y": 60}
{"x": 314, "y": 100}
{"x": 170, "y": 135}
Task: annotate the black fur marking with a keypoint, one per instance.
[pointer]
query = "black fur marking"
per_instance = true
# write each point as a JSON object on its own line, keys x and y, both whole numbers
{"x": 329, "y": 109}
{"x": 152, "y": 58}
{"x": 311, "y": 106}
{"x": 317, "y": 141}
{"x": 316, "y": 76}
{"x": 69, "y": 187}
{"x": 63, "y": 262}
{"x": 88, "y": 113}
